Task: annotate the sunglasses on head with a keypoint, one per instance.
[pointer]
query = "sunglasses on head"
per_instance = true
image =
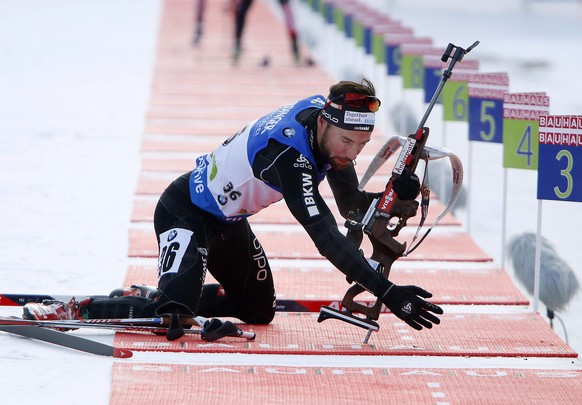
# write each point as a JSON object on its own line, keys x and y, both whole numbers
{"x": 359, "y": 101}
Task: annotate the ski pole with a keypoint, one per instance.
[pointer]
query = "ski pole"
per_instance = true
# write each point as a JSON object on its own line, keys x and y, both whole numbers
{"x": 213, "y": 330}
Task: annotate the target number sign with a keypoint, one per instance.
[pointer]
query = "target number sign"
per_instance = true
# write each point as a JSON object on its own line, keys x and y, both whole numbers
{"x": 560, "y": 158}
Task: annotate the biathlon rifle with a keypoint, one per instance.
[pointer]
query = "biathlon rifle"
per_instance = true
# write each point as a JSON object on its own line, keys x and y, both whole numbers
{"x": 388, "y": 214}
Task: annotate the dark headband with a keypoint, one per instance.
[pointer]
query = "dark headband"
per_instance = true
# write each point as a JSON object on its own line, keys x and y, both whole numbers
{"x": 341, "y": 115}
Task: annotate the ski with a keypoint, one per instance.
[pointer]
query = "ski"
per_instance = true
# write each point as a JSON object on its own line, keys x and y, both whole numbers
{"x": 18, "y": 300}
{"x": 65, "y": 340}
{"x": 314, "y": 305}
{"x": 282, "y": 305}
{"x": 213, "y": 328}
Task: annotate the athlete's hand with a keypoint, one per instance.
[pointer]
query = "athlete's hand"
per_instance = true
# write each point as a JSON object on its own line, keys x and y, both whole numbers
{"x": 407, "y": 186}
{"x": 406, "y": 303}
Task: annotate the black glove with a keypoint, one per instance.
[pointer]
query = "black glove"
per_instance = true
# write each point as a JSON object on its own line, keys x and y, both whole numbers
{"x": 215, "y": 329}
{"x": 407, "y": 186}
{"x": 406, "y": 304}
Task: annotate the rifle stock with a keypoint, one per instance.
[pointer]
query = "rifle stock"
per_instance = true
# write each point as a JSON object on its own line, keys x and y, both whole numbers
{"x": 383, "y": 222}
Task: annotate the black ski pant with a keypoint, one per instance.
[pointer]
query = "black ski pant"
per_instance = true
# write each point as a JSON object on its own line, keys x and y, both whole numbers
{"x": 194, "y": 244}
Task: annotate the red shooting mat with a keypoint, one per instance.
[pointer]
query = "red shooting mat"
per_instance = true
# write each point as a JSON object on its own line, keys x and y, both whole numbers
{"x": 168, "y": 143}
{"x": 204, "y": 111}
{"x": 222, "y": 130}
{"x": 187, "y": 101}
{"x": 295, "y": 91}
{"x": 203, "y": 74}
{"x": 459, "y": 334}
{"x": 190, "y": 77}
{"x": 213, "y": 106}
{"x": 466, "y": 286}
{"x": 208, "y": 126}
{"x": 144, "y": 206}
{"x": 296, "y": 244}
{"x": 160, "y": 383}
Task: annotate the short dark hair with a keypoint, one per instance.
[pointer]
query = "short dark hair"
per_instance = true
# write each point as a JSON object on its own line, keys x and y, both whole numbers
{"x": 365, "y": 87}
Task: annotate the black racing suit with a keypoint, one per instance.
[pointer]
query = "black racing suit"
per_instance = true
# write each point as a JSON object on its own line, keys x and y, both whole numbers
{"x": 231, "y": 252}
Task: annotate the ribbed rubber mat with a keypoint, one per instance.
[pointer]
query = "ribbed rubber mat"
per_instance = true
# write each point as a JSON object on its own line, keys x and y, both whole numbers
{"x": 448, "y": 285}
{"x": 198, "y": 94}
{"x": 202, "y": 75}
{"x": 294, "y": 92}
{"x": 160, "y": 383}
{"x": 296, "y": 244}
{"x": 186, "y": 101}
{"x": 203, "y": 111}
{"x": 506, "y": 335}
{"x": 201, "y": 129}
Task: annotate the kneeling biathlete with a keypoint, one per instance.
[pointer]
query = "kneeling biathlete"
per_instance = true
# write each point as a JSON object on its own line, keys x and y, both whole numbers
{"x": 201, "y": 218}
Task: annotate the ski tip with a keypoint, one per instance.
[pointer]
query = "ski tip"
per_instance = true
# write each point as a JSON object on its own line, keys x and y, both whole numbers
{"x": 7, "y": 301}
{"x": 122, "y": 353}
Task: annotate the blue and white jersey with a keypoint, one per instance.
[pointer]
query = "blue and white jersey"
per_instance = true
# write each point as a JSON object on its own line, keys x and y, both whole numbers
{"x": 224, "y": 183}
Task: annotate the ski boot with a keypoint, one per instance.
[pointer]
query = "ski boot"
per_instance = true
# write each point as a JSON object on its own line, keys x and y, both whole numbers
{"x": 136, "y": 290}
{"x": 236, "y": 51}
{"x": 52, "y": 310}
{"x": 197, "y": 34}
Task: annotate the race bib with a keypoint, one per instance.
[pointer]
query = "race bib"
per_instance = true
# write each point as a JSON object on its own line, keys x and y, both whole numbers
{"x": 173, "y": 245}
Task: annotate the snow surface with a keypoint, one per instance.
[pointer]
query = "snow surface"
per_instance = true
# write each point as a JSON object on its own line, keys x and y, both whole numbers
{"x": 74, "y": 82}
{"x": 74, "y": 85}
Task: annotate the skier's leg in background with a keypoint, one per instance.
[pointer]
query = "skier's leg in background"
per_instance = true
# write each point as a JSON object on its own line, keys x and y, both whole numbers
{"x": 241, "y": 7}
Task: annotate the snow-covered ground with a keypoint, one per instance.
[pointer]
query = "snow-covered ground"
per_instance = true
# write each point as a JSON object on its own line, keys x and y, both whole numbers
{"x": 74, "y": 81}
{"x": 74, "y": 85}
